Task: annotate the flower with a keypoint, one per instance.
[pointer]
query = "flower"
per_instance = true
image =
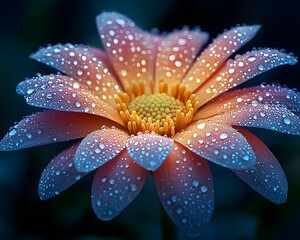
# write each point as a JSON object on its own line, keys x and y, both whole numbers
{"x": 150, "y": 104}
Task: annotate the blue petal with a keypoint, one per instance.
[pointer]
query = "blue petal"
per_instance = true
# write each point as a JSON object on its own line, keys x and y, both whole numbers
{"x": 60, "y": 174}
{"x": 185, "y": 187}
{"x": 219, "y": 143}
{"x": 149, "y": 150}
{"x": 49, "y": 127}
{"x": 99, "y": 147}
{"x": 116, "y": 184}
{"x": 266, "y": 176}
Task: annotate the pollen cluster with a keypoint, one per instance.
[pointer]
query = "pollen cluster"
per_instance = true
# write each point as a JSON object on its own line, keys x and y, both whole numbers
{"x": 165, "y": 112}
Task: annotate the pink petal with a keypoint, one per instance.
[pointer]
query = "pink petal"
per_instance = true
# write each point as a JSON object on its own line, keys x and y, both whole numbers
{"x": 260, "y": 115}
{"x": 176, "y": 54}
{"x": 185, "y": 187}
{"x": 270, "y": 94}
{"x": 60, "y": 174}
{"x": 116, "y": 184}
{"x": 241, "y": 69}
{"x": 99, "y": 147}
{"x": 63, "y": 93}
{"x": 149, "y": 150}
{"x": 131, "y": 50}
{"x": 216, "y": 54}
{"x": 218, "y": 143}
{"x": 266, "y": 176}
{"x": 49, "y": 127}
{"x": 87, "y": 65}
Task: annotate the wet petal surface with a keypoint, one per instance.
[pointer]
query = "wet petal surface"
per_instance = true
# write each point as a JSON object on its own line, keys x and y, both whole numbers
{"x": 176, "y": 53}
{"x": 60, "y": 174}
{"x": 50, "y": 127}
{"x": 87, "y": 65}
{"x": 241, "y": 69}
{"x": 185, "y": 187}
{"x": 116, "y": 184}
{"x": 149, "y": 150}
{"x": 265, "y": 116}
{"x": 130, "y": 50}
{"x": 62, "y": 93}
{"x": 218, "y": 143}
{"x": 273, "y": 94}
{"x": 266, "y": 176}
{"x": 216, "y": 54}
{"x": 99, "y": 147}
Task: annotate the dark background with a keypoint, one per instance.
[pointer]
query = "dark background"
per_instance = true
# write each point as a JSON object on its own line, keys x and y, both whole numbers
{"x": 240, "y": 213}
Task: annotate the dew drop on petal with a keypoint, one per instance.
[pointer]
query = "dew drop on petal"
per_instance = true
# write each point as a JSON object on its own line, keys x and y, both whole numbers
{"x": 223, "y": 135}
{"x": 195, "y": 183}
{"x": 287, "y": 121}
{"x": 203, "y": 189}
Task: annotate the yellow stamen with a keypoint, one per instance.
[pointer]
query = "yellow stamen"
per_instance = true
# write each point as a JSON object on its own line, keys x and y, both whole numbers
{"x": 166, "y": 112}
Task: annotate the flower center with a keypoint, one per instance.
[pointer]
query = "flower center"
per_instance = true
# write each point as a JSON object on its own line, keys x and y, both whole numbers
{"x": 165, "y": 112}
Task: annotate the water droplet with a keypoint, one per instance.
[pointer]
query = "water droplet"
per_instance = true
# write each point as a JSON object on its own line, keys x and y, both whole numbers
{"x": 28, "y": 135}
{"x": 201, "y": 125}
{"x": 97, "y": 150}
{"x": 261, "y": 67}
{"x": 101, "y": 145}
{"x": 112, "y": 181}
{"x": 77, "y": 104}
{"x": 287, "y": 121}
{"x": 77, "y": 177}
{"x": 184, "y": 220}
{"x": 30, "y": 91}
{"x": 179, "y": 210}
{"x": 57, "y": 172}
{"x": 203, "y": 189}
{"x": 133, "y": 187}
{"x": 12, "y": 132}
{"x": 76, "y": 85}
{"x": 174, "y": 198}
{"x": 195, "y": 183}
{"x": 223, "y": 135}
{"x": 246, "y": 157}
{"x": 49, "y": 95}
{"x": 251, "y": 58}
{"x": 99, "y": 203}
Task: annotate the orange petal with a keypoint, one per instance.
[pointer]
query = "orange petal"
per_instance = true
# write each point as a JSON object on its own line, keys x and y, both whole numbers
{"x": 62, "y": 93}
{"x": 185, "y": 188}
{"x": 176, "y": 54}
{"x": 116, "y": 184}
{"x": 266, "y": 176}
{"x": 217, "y": 53}
{"x": 131, "y": 51}
{"x": 50, "y": 126}
{"x": 87, "y": 65}
{"x": 241, "y": 69}
{"x": 219, "y": 143}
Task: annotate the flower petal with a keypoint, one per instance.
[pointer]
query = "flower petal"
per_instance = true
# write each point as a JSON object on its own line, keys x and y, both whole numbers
{"x": 218, "y": 143}
{"x": 266, "y": 116}
{"x": 131, "y": 50}
{"x": 99, "y": 147}
{"x": 270, "y": 94}
{"x": 82, "y": 63}
{"x": 116, "y": 184}
{"x": 149, "y": 150}
{"x": 49, "y": 127}
{"x": 60, "y": 174}
{"x": 241, "y": 69}
{"x": 63, "y": 93}
{"x": 176, "y": 53}
{"x": 185, "y": 187}
{"x": 266, "y": 176}
{"x": 217, "y": 53}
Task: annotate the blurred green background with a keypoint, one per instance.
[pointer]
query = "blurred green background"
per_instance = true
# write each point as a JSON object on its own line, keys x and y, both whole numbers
{"x": 240, "y": 213}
